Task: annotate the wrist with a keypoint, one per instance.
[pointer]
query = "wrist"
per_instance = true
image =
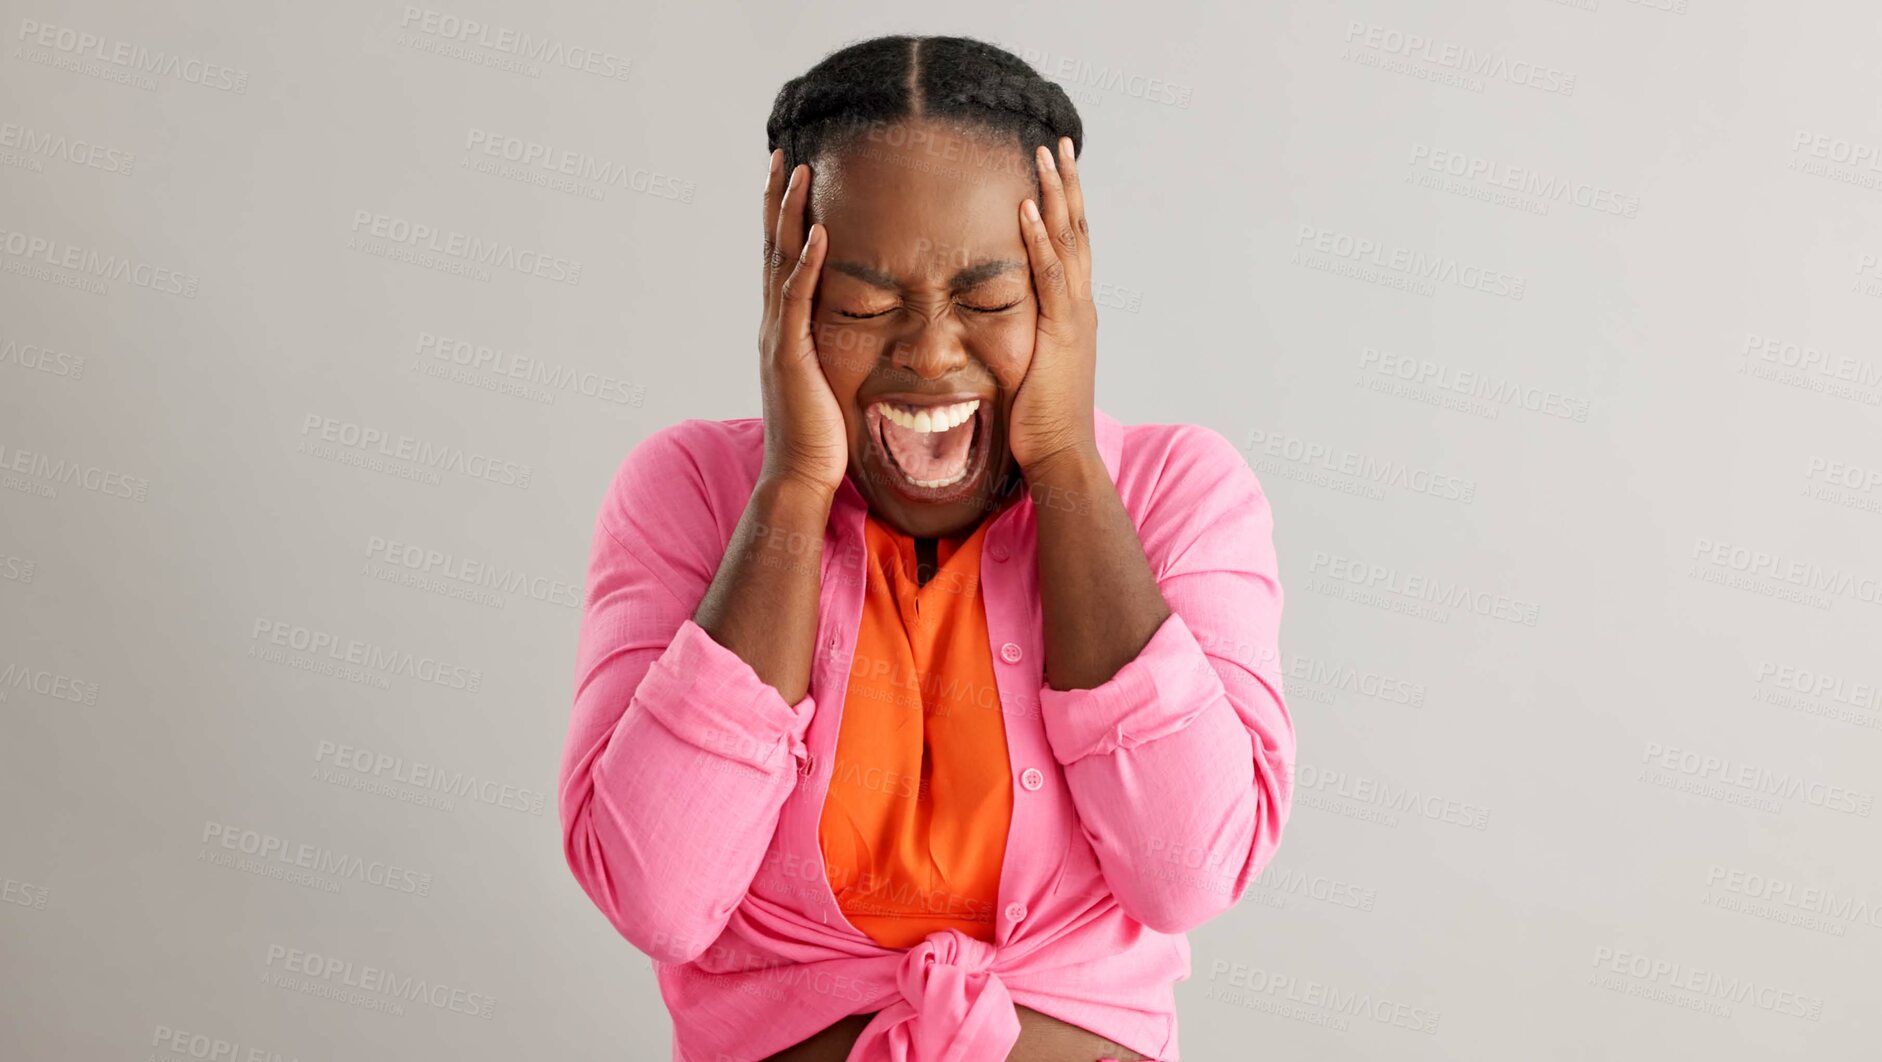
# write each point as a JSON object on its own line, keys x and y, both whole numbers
{"x": 1072, "y": 463}
{"x": 787, "y": 490}
{"x": 1068, "y": 482}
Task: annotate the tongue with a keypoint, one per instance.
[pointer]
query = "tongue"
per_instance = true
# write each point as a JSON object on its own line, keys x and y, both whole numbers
{"x": 932, "y": 454}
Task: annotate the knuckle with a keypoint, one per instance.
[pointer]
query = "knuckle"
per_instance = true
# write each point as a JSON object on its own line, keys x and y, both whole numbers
{"x": 795, "y": 286}
{"x": 1068, "y": 236}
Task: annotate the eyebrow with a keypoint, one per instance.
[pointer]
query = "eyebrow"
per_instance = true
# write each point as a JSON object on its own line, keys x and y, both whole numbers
{"x": 964, "y": 278}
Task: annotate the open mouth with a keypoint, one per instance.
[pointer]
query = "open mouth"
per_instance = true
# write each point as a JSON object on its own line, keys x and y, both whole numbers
{"x": 933, "y": 453}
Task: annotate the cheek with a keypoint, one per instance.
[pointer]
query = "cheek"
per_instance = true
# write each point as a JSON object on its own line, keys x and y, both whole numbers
{"x": 1006, "y": 348}
{"x": 847, "y": 354}
{"x": 843, "y": 380}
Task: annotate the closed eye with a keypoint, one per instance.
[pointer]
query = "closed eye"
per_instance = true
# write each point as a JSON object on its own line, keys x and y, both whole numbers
{"x": 964, "y": 306}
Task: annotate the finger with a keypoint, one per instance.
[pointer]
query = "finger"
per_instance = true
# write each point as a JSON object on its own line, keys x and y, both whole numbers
{"x": 1048, "y": 271}
{"x": 1066, "y": 241}
{"x": 799, "y": 289}
{"x": 774, "y": 191}
{"x": 787, "y": 234}
{"x": 790, "y": 223}
{"x": 1052, "y": 204}
{"x": 1074, "y": 191}
{"x": 785, "y": 244}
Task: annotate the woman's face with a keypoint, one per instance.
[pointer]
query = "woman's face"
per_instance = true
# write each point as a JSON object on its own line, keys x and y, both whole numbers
{"x": 925, "y": 307}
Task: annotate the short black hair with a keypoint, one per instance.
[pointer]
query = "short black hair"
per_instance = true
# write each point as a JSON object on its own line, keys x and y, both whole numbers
{"x": 877, "y": 82}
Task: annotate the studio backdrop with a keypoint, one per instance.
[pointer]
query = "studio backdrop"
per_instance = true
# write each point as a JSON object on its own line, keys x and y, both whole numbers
{"x": 1549, "y": 329}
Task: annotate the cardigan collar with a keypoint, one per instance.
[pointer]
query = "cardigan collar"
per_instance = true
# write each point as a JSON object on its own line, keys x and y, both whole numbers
{"x": 1110, "y": 438}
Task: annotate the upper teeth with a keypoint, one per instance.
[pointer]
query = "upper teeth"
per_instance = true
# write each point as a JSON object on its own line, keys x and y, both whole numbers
{"x": 930, "y": 418}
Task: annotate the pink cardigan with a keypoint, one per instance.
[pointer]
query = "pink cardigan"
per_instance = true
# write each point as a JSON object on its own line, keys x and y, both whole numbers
{"x": 691, "y": 792}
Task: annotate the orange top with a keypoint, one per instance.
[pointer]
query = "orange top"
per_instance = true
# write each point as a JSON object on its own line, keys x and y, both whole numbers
{"x": 914, "y": 828}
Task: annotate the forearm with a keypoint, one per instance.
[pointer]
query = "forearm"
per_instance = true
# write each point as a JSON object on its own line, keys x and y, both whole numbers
{"x": 762, "y": 603}
{"x": 680, "y": 754}
{"x": 1099, "y": 598}
{"x": 1176, "y": 748}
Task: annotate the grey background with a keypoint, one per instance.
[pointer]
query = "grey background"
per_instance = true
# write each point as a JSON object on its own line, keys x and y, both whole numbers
{"x": 1583, "y": 664}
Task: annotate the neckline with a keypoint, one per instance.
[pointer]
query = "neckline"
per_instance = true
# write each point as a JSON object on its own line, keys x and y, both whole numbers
{"x": 905, "y": 558}
{"x": 956, "y": 540}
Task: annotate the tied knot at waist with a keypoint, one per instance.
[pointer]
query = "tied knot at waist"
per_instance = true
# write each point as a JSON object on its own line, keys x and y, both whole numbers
{"x": 953, "y": 1007}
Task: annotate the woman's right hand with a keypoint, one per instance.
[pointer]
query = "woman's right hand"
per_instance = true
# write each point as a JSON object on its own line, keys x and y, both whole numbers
{"x": 804, "y": 430}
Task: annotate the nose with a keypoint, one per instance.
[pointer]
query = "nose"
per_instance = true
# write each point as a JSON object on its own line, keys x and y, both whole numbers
{"x": 931, "y": 348}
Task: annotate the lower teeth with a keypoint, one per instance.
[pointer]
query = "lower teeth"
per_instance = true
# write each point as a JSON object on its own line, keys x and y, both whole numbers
{"x": 935, "y": 482}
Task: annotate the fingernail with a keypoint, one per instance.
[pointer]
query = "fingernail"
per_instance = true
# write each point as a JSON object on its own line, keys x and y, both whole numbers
{"x": 1065, "y": 148}
{"x": 1047, "y": 155}
{"x": 1032, "y": 211}
{"x": 777, "y": 159}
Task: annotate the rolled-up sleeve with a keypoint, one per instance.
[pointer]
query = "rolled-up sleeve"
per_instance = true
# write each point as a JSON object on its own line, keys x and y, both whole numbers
{"x": 678, "y": 757}
{"x": 1181, "y": 764}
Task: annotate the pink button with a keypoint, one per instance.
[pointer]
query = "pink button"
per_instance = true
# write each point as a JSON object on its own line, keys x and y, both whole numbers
{"x": 1015, "y": 912}
{"x": 999, "y": 553}
{"x": 1010, "y": 653}
{"x": 1032, "y": 779}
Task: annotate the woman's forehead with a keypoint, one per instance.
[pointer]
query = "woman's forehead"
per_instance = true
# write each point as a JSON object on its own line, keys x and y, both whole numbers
{"x": 865, "y": 200}
{"x": 941, "y": 165}
{"x": 964, "y": 249}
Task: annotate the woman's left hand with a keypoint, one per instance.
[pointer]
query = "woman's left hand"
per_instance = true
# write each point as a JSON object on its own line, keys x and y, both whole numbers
{"x": 1051, "y": 413}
